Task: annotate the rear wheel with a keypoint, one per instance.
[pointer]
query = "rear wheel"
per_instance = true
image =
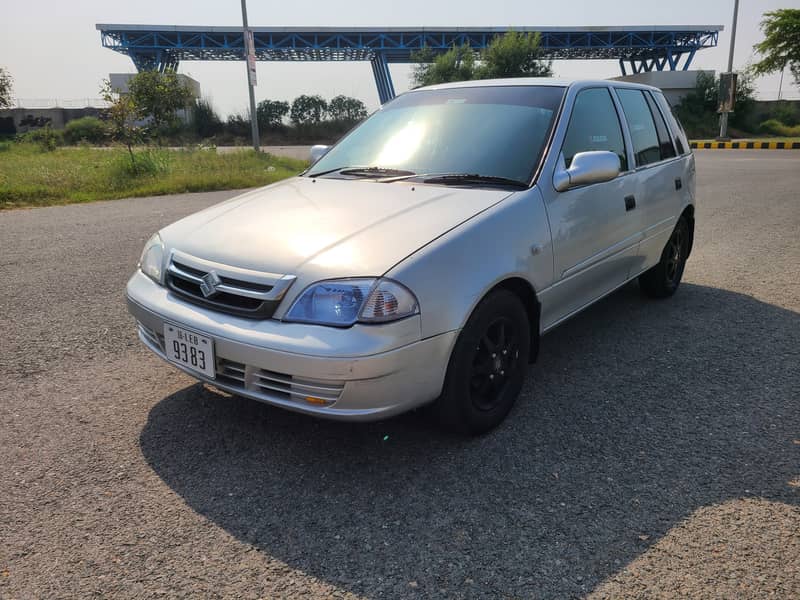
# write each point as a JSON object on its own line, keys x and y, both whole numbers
{"x": 663, "y": 279}
{"x": 487, "y": 366}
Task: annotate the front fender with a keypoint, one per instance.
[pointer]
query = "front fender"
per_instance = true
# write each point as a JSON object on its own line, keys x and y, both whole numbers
{"x": 454, "y": 272}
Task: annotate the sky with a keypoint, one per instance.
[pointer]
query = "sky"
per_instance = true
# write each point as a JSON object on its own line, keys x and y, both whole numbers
{"x": 52, "y": 50}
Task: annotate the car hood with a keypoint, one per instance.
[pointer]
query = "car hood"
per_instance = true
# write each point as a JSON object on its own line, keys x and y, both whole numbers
{"x": 326, "y": 228}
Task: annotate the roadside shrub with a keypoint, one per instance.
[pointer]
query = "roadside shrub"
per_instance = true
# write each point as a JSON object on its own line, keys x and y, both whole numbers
{"x": 90, "y": 129}
{"x": 45, "y": 138}
{"x": 787, "y": 113}
{"x": 238, "y": 125}
{"x": 149, "y": 162}
{"x": 775, "y": 127}
{"x": 205, "y": 120}
{"x": 5, "y": 146}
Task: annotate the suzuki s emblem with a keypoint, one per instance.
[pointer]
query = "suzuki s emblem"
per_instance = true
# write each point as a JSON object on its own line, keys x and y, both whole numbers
{"x": 209, "y": 283}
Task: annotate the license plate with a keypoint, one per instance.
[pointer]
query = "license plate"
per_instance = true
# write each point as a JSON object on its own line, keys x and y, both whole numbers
{"x": 189, "y": 349}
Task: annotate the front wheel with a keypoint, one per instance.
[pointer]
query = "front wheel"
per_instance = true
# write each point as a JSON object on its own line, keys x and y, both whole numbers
{"x": 487, "y": 366}
{"x": 662, "y": 280}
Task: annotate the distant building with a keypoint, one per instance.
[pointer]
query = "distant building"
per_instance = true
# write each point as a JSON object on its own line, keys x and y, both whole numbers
{"x": 43, "y": 112}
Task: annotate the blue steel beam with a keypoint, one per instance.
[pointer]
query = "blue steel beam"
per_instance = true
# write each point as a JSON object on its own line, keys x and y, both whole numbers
{"x": 398, "y": 45}
{"x": 163, "y": 47}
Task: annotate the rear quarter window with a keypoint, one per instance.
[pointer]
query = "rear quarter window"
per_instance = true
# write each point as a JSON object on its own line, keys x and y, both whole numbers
{"x": 681, "y": 140}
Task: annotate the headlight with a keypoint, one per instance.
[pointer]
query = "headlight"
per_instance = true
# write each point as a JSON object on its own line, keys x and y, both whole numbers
{"x": 152, "y": 261}
{"x": 342, "y": 302}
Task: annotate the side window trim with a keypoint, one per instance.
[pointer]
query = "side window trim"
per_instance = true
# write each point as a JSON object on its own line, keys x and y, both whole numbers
{"x": 626, "y": 134}
{"x": 626, "y": 140}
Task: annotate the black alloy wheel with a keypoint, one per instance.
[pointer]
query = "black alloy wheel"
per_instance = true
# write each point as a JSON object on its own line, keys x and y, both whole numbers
{"x": 487, "y": 366}
{"x": 663, "y": 279}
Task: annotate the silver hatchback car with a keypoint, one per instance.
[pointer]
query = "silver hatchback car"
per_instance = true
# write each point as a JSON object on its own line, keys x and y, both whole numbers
{"x": 420, "y": 259}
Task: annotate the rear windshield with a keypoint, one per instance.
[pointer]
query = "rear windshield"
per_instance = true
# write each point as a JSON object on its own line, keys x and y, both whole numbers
{"x": 497, "y": 131}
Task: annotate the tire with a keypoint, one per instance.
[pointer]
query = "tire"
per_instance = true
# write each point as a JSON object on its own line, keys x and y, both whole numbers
{"x": 487, "y": 366}
{"x": 663, "y": 280}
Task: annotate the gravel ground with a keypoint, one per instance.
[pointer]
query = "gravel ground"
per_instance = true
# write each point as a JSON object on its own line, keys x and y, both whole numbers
{"x": 655, "y": 451}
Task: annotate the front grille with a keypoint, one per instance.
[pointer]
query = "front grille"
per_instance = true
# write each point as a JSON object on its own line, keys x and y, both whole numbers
{"x": 261, "y": 383}
{"x": 238, "y": 291}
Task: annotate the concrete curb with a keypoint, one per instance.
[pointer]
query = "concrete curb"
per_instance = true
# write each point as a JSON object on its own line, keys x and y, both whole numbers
{"x": 745, "y": 145}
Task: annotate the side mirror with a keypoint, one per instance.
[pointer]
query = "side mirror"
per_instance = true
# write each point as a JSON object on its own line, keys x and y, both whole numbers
{"x": 587, "y": 167}
{"x": 318, "y": 152}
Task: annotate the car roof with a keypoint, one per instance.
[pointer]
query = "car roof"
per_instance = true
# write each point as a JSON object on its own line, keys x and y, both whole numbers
{"x": 536, "y": 81}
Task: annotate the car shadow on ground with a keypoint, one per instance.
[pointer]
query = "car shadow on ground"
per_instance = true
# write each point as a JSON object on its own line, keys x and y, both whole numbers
{"x": 637, "y": 413}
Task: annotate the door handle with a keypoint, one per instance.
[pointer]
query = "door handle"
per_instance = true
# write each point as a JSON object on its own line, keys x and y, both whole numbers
{"x": 630, "y": 202}
{"x": 678, "y": 183}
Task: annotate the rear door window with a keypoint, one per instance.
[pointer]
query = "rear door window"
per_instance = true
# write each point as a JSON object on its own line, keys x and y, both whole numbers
{"x": 594, "y": 125}
{"x": 646, "y": 146}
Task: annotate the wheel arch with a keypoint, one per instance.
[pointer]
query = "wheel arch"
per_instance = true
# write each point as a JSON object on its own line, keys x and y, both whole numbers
{"x": 523, "y": 289}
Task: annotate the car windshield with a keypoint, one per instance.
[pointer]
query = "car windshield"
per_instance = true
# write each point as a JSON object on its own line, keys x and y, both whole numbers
{"x": 497, "y": 131}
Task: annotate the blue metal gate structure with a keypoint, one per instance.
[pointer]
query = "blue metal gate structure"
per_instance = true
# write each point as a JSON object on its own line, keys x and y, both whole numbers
{"x": 162, "y": 47}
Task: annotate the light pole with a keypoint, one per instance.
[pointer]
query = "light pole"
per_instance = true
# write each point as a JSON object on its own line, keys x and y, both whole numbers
{"x": 250, "y": 61}
{"x": 723, "y": 117}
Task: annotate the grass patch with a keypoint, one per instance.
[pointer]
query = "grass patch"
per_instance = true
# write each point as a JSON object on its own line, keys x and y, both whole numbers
{"x": 32, "y": 177}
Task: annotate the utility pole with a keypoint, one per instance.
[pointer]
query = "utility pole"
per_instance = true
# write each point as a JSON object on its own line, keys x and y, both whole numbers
{"x": 250, "y": 61}
{"x": 723, "y": 117}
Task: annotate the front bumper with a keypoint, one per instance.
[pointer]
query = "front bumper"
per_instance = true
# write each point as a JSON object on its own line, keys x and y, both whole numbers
{"x": 367, "y": 372}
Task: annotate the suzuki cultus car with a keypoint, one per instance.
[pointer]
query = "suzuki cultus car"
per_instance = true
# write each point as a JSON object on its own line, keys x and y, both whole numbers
{"x": 420, "y": 259}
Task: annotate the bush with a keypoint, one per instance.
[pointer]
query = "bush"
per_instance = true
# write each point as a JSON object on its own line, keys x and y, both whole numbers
{"x": 775, "y": 127}
{"x": 205, "y": 120}
{"x": 145, "y": 162}
{"x": 238, "y": 125}
{"x": 90, "y": 129}
{"x": 45, "y": 138}
{"x": 787, "y": 113}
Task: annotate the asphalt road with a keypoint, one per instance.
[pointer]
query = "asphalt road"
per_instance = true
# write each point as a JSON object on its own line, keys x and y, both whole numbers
{"x": 655, "y": 450}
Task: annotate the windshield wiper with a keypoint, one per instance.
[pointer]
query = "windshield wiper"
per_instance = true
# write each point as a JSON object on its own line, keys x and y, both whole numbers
{"x": 476, "y": 178}
{"x": 366, "y": 172}
{"x": 376, "y": 172}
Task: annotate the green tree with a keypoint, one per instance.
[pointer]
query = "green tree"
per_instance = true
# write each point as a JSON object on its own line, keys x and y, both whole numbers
{"x": 514, "y": 54}
{"x": 781, "y": 44}
{"x": 457, "y": 64}
{"x": 270, "y": 113}
{"x": 308, "y": 110}
{"x": 121, "y": 116}
{"x": 6, "y": 82}
{"x": 159, "y": 96}
{"x": 344, "y": 108}
{"x": 697, "y": 110}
